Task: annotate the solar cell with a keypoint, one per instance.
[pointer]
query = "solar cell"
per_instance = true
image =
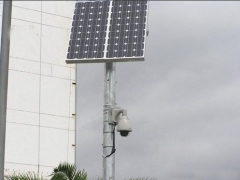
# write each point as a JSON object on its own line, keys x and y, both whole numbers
{"x": 108, "y": 30}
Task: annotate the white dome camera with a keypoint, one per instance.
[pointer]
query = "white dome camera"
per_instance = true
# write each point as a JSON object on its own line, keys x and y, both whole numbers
{"x": 124, "y": 126}
{"x": 122, "y": 121}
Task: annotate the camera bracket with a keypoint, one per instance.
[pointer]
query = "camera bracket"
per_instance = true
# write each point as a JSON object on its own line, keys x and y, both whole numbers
{"x": 115, "y": 113}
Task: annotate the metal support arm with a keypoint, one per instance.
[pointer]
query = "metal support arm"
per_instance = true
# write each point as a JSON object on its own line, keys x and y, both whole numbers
{"x": 115, "y": 112}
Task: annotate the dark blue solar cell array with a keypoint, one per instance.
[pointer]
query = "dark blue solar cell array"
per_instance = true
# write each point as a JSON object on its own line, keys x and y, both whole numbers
{"x": 88, "y": 31}
{"x": 127, "y": 29}
{"x": 126, "y": 35}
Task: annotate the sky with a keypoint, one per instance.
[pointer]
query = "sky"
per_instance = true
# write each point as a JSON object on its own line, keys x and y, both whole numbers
{"x": 183, "y": 100}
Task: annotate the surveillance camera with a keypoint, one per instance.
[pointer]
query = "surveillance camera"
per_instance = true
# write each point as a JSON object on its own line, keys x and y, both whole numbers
{"x": 123, "y": 126}
{"x": 124, "y": 133}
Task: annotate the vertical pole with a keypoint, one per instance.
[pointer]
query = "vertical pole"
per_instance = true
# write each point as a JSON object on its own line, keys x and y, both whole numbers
{"x": 4, "y": 63}
{"x": 109, "y": 101}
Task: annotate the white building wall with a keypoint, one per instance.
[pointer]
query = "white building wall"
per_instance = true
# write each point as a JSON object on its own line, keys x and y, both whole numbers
{"x": 41, "y": 93}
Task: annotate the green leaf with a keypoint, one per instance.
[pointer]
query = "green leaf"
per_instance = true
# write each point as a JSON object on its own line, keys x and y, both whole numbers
{"x": 66, "y": 171}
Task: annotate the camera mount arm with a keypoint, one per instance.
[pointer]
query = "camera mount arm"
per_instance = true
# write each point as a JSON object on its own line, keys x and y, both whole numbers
{"x": 115, "y": 113}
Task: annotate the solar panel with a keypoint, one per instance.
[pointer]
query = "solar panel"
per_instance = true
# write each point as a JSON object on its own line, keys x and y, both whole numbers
{"x": 108, "y": 31}
{"x": 88, "y": 31}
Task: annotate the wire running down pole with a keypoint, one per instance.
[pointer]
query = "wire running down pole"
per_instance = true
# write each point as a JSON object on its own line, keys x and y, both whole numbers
{"x": 4, "y": 64}
{"x": 108, "y": 135}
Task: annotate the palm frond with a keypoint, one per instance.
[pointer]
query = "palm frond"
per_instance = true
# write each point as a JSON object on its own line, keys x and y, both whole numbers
{"x": 66, "y": 171}
{"x": 24, "y": 176}
{"x": 59, "y": 176}
{"x": 80, "y": 175}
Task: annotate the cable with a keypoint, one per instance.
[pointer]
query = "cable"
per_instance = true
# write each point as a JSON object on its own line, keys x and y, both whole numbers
{"x": 113, "y": 147}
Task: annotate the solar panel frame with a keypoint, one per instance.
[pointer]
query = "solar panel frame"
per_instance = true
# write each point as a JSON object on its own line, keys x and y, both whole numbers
{"x": 105, "y": 58}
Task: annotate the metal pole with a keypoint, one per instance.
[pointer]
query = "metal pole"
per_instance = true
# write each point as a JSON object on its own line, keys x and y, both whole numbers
{"x": 109, "y": 101}
{"x": 4, "y": 63}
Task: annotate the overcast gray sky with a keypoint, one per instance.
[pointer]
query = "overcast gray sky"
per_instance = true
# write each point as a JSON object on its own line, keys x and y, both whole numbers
{"x": 183, "y": 101}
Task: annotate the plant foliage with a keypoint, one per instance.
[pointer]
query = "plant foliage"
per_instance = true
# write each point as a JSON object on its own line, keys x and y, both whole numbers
{"x": 24, "y": 176}
{"x": 66, "y": 171}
